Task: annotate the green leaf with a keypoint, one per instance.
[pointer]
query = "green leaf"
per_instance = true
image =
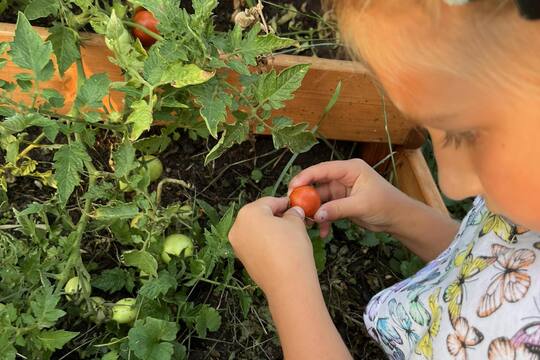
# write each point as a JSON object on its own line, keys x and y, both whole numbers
{"x": 142, "y": 260}
{"x": 208, "y": 319}
{"x": 124, "y": 159}
{"x": 319, "y": 253}
{"x": 6, "y": 347}
{"x": 28, "y": 50}
{"x": 92, "y": 92}
{"x": 158, "y": 286}
{"x": 150, "y": 339}
{"x": 43, "y": 305}
{"x": 203, "y": 8}
{"x": 55, "y": 99}
{"x": 294, "y": 137}
{"x": 141, "y": 118}
{"x": 180, "y": 75}
{"x": 233, "y": 134}
{"x": 254, "y": 45}
{"x": 55, "y": 339}
{"x": 116, "y": 212}
{"x": 20, "y": 122}
{"x": 166, "y": 11}
{"x": 275, "y": 89}
{"x": 213, "y": 101}
{"x": 111, "y": 280}
{"x": 113, "y": 355}
{"x": 68, "y": 165}
{"x": 41, "y": 8}
{"x": 65, "y": 45}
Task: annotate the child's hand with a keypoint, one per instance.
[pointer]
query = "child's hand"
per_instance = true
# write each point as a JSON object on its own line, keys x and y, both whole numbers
{"x": 273, "y": 244}
{"x": 352, "y": 189}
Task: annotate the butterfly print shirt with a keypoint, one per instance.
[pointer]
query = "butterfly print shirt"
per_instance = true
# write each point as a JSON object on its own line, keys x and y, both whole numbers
{"x": 479, "y": 299}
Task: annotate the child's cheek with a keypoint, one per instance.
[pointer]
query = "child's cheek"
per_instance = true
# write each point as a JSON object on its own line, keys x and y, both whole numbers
{"x": 509, "y": 179}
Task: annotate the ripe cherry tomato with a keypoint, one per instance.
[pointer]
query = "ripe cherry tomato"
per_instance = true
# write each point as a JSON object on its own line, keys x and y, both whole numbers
{"x": 307, "y": 198}
{"x": 146, "y": 19}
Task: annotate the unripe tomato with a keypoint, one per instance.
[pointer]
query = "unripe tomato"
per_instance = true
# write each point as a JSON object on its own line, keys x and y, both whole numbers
{"x": 123, "y": 311}
{"x": 175, "y": 245}
{"x": 72, "y": 287}
{"x": 307, "y": 198}
{"x": 98, "y": 309}
{"x": 146, "y": 19}
{"x": 154, "y": 167}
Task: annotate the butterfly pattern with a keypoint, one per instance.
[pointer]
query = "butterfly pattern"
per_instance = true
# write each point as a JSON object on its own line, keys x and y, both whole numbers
{"x": 475, "y": 301}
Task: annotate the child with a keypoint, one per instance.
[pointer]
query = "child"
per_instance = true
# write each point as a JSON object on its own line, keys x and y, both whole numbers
{"x": 469, "y": 72}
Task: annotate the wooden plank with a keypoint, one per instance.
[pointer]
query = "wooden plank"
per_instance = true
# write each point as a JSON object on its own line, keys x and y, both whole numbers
{"x": 358, "y": 114}
{"x": 415, "y": 179}
{"x": 65, "y": 85}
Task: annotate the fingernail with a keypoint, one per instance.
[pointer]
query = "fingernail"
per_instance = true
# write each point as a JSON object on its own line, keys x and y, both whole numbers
{"x": 321, "y": 215}
{"x": 299, "y": 211}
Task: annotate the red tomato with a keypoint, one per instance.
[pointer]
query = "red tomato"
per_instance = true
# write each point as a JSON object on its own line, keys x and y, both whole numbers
{"x": 307, "y": 198}
{"x": 146, "y": 19}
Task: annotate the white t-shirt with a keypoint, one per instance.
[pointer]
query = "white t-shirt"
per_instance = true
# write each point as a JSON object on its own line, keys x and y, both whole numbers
{"x": 479, "y": 299}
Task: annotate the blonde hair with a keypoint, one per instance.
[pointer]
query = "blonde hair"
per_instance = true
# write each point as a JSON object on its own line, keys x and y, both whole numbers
{"x": 485, "y": 40}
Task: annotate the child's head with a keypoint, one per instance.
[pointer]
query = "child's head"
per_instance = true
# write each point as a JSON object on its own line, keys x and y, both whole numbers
{"x": 470, "y": 74}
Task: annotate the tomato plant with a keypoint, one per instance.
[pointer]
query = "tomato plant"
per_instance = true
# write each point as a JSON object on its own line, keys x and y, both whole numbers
{"x": 66, "y": 229}
{"x": 307, "y": 198}
{"x": 146, "y": 19}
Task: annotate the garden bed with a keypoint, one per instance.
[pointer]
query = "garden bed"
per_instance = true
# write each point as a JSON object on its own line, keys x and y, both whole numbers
{"x": 112, "y": 222}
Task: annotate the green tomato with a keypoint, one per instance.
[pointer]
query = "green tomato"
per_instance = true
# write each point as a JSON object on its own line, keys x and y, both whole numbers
{"x": 72, "y": 287}
{"x": 154, "y": 167}
{"x": 123, "y": 311}
{"x": 176, "y": 244}
{"x": 97, "y": 309}
{"x": 185, "y": 212}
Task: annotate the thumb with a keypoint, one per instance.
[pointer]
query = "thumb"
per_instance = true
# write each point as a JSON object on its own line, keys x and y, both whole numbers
{"x": 337, "y": 209}
{"x": 295, "y": 213}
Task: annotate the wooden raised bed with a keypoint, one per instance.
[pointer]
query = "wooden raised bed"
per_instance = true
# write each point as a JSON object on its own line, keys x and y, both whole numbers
{"x": 357, "y": 116}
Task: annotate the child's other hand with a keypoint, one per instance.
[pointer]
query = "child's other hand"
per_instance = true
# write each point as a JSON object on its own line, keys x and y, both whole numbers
{"x": 273, "y": 244}
{"x": 352, "y": 189}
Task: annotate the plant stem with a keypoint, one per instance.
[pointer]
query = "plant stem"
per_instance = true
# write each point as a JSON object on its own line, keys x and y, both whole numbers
{"x": 33, "y": 145}
{"x": 169, "y": 181}
{"x": 143, "y": 29}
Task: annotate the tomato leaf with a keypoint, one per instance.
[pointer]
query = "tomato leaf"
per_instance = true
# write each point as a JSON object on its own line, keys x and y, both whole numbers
{"x": 180, "y": 75}
{"x": 65, "y": 45}
{"x": 124, "y": 159}
{"x": 92, "y": 92}
{"x": 43, "y": 305}
{"x": 294, "y": 137}
{"x": 233, "y": 134}
{"x": 208, "y": 319}
{"x": 254, "y": 45}
{"x": 158, "y": 286}
{"x": 112, "y": 280}
{"x": 142, "y": 260}
{"x": 213, "y": 101}
{"x": 41, "y": 8}
{"x": 68, "y": 165}
{"x": 275, "y": 89}
{"x": 55, "y": 339}
{"x": 116, "y": 212}
{"x": 150, "y": 339}
{"x": 141, "y": 118}
{"x": 29, "y": 51}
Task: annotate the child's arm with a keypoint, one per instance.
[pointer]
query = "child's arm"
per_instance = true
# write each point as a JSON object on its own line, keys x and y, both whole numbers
{"x": 352, "y": 189}
{"x": 273, "y": 245}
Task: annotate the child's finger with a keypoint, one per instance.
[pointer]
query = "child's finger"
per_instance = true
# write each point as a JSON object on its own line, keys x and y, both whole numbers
{"x": 324, "y": 229}
{"x": 331, "y": 191}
